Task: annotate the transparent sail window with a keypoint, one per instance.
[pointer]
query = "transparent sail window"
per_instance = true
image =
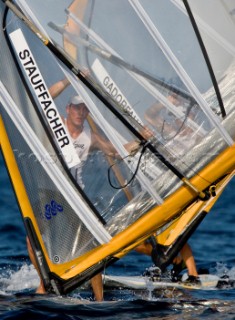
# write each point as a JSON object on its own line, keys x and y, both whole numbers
{"x": 217, "y": 32}
{"x": 146, "y": 90}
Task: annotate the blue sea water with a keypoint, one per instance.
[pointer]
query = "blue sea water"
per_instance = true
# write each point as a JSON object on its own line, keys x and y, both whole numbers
{"x": 212, "y": 244}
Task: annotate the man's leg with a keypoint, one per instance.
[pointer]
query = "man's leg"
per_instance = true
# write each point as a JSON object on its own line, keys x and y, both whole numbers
{"x": 187, "y": 256}
{"x": 96, "y": 281}
{"x": 97, "y": 286}
{"x": 41, "y": 288}
{"x": 144, "y": 248}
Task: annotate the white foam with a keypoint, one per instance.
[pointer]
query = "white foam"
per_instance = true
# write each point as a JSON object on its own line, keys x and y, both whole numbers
{"x": 24, "y": 278}
{"x": 222, "y": 269}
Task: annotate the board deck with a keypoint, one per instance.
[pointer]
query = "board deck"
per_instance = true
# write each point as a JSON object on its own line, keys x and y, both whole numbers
{"x": 207, "y": 281}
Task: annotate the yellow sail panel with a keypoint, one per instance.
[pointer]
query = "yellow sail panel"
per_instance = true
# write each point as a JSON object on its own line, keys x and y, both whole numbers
{"x": 179, "y": 225}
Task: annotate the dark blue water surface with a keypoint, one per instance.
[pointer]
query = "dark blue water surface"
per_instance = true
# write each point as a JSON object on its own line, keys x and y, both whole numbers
{"x": 213, "y": 245}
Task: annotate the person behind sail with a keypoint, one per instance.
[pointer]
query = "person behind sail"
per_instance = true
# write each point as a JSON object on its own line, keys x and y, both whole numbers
{"x": 84, "y": 140}
{"x": 81, "y": 137}
{"x": 170, "y": 129}
{"x": 181, "y": 130}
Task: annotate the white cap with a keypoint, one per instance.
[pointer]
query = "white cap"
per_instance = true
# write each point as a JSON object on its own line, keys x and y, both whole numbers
{"x": 75, "y": 100}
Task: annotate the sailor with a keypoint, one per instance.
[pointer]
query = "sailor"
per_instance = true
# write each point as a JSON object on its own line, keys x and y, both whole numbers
{"x": 84, "y": 140}
{"x": 182, "y": 127}
{"x": 178, "y": 137}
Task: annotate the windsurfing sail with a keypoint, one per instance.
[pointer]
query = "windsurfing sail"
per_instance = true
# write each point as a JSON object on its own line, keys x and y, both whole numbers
{"x": 117, "y": 119}
{"x": 170, "y": 239}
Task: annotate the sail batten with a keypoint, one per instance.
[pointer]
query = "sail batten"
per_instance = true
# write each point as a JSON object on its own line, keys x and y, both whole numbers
{"x": 209, "y": 30}
{"x": 29, "y": 13}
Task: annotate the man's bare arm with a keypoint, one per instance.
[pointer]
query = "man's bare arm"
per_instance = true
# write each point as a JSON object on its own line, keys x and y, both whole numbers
{"x": 58, "y": 87}
{"x": 99, "y": 142}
